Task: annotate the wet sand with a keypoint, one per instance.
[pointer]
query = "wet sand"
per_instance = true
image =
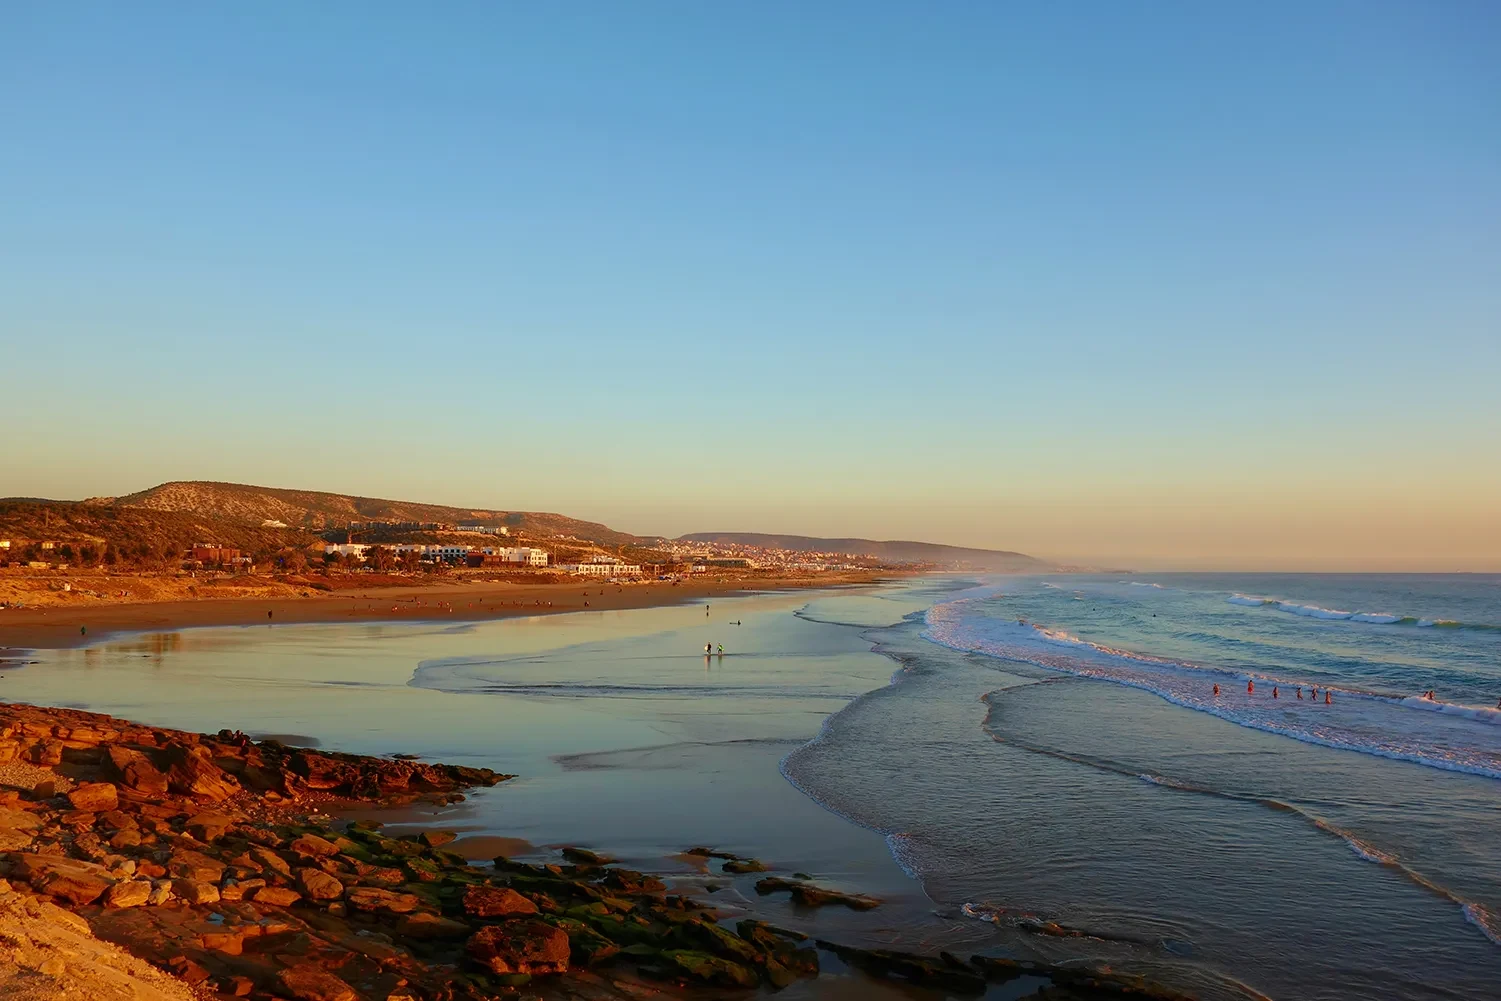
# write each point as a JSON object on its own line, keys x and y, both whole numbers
{"x": 60, "y": 626}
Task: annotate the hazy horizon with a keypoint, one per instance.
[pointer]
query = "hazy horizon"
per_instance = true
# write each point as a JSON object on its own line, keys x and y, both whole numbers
{"x": 1171, "y": 287}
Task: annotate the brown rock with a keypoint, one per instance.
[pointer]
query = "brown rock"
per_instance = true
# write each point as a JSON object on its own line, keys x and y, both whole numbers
{"x": 370, "y": 898}
{"x": 79, "y": 883}
{"x": 191, "y": 772}
{"x": 270, "y": 860}
{"x": 125, "y": 839}
{"x": 128, "y": 893}
{"x": 117, "y": 820}
{"x": 95, "y": 797}
{"x": 437, "y": 839}
{"x": 195, "y": 865}
{"x": 520, "y": 947}
{"x": 209, "y": 826}
{"x": 427, "y": 925}
{"x": 319, "y": 885}
{"x": 135, "y": 771}
{"x": 195, "y": 892}
{"x": 307, "y": 982}
{"x": 496, "y": 902}
{"x": 275, "y": 896}
{"x": 313, "y": 846}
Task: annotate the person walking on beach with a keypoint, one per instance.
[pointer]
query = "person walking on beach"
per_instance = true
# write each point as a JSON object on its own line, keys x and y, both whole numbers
{"x": 721, "y": 649}
{"x": 708, "y": 649}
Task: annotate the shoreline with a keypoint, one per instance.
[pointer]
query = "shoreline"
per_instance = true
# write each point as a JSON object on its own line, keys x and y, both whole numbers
{"x": 215, "y": 859}
{"x": 56, "y": 627}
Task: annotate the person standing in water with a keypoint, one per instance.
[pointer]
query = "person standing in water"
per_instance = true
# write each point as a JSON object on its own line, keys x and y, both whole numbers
{"x": 1327, "y": 699}
{"x": 1250, "y": 687}
{"x": 1216, "y": 691}
{"x": 1274, "y": 691}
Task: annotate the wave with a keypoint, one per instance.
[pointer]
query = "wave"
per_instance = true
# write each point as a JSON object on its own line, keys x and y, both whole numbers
{"x": 1372, "y": 618}
{"x": 1475, "y": 913}
{"x": 1440, "y": 735}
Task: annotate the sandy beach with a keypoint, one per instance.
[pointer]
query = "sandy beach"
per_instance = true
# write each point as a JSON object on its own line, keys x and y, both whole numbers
{"x": 68, "y": 620}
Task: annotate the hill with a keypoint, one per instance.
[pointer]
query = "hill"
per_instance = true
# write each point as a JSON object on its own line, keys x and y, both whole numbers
{"x": 889, "y": 552}
{"x": 318, "y": 511}
{"x": 135, "y": 535}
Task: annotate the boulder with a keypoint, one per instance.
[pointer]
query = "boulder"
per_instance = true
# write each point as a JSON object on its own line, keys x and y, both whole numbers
{"x": 371, "y": 898}
{"x": 128, "y": 893}
{"x": 275, "y": 896}
{"x": 79, "y": 883}
{"x": 191, "y": 772}
{"x": 195, "y": 892}
{"x": 313, "y": 846}
{"x": 496, "y": 902}
{"x": 308, "y": 982}
{"x": 135, "y": 771}
{"x": 208, "y": 826}
{"x": 427, "y": 925}
{"x": 195, "y": 865}
{"x": 811, "y": 895}
{"x": 94, "y": 797}
{"x": 319, "y": 885}
{"x": 519, "y": 947}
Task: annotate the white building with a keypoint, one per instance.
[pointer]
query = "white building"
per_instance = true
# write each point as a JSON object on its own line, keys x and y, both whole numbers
{"x": 525, "y": 555}
{"x": 486, "y": 529}
{"x": 602, "y": 569}
{"x": 347, "y": 549}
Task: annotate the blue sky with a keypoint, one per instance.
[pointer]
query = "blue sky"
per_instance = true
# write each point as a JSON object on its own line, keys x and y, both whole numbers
{"x": 1179, "y": 283}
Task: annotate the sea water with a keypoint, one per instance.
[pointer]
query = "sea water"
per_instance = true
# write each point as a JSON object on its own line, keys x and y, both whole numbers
{"x": 1052, "y": 762}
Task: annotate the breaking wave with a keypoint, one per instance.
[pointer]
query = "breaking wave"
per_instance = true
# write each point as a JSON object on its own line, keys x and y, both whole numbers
{"x": 1438, "y": 734}
{"x": 1373, "y": 618}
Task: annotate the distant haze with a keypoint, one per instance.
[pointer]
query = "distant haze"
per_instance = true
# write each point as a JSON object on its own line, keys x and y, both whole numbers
{"x": 1154, "y": 285}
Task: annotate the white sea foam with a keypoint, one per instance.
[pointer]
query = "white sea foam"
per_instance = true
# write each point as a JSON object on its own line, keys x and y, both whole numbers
{"x": 1336, "y": 614}
{"x": 1483, "y": 919}
{"x": 1451, "y": 737}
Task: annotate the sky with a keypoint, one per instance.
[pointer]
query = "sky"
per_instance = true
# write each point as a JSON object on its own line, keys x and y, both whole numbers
{"x": 1165, "y": 285}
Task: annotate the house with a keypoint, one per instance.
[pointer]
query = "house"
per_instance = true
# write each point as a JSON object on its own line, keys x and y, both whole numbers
{"x": 209, "y": 553}
{"x": 602, "y": 569}
{"x": 525, "y": 555}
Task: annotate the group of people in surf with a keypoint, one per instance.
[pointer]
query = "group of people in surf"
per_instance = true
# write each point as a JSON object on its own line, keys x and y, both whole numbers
{"x": 1276, "y": 692}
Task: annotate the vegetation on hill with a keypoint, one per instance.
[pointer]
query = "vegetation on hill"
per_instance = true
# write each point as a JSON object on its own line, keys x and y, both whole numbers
{"x": 89, "y": 534}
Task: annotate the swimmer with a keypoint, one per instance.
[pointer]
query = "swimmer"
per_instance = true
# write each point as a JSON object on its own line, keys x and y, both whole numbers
{"x": 1250, "y": 687}
{"x": 1327, "y": 699}
{"x": 1300, "y": 691}
{"x": 1216, "y": 690}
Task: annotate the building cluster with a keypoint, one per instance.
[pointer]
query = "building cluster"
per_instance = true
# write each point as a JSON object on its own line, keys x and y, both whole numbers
{"x": 446, "y": 553}
{"x": 603, "y": 566}
{"x": 424, "y": 526}
{"x": 703, "y": 556}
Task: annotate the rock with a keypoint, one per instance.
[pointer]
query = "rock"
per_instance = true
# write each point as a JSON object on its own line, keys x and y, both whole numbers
{"x": 740, "y": 866}
{"x": 135, "y": 771}
{"x": 270, "y": 860}
{"x": 496, "y": 902}
{"x": 436, "y": 839}
{"x": 128, "y": 893}
{"x": 195, "y": 892}
{"x": 949, "y": 974}
{"x": 427, "y": 925}
{"x": 208, "y": 826}
{"x": 711, "y": 969}
{"x": 161, "y": 892}
{"x": 125, "y": 839}
{"x": 585, "y": 857}
{"x": 195, "y": 865}
{"x": 370, "y": 898}
{"x": 79, "y": 883}
{"x": 275, "y": 896}
{"x": 307, "y": 982}
{"x": 94, "y": 797}
{"x": 810, "y": 895}
{"x": 519, "y": 947}
{"x": 192, "y": 772}
{"x": 313, "y": 846}
{"x": 319, "y": 885}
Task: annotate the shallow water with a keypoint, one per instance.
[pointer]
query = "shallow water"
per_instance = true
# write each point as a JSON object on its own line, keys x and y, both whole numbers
{"x": 1076, "y": 768}
{"x": 1080, "y": 773}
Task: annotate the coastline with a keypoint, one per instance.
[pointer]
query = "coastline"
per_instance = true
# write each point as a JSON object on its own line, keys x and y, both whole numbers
{"x": 213, "y": 858}
{"x": 61, "y": 626}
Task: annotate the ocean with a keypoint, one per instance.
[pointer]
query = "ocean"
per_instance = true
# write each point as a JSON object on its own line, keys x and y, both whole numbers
{"x": 1051, "y": 760}
{"x": 1026, "y": 766}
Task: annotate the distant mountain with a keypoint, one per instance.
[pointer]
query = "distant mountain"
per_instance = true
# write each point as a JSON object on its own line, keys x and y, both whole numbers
{"x": 891, "y": 552}
{"x": 316, "y": 510}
